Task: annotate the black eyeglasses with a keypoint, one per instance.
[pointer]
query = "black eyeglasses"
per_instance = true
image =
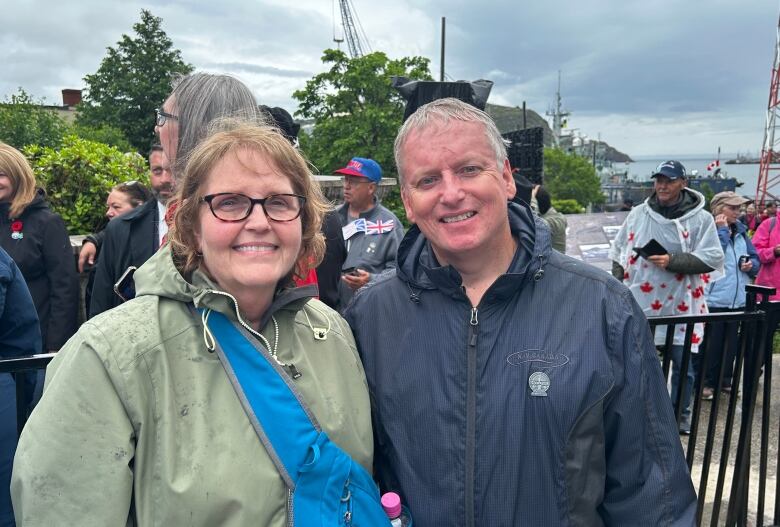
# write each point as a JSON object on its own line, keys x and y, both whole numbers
{"x": 163, "y": 116}
{"x": 228, "y": 206}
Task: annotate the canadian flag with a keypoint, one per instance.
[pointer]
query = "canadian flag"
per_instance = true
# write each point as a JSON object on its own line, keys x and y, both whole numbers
{"x": 712, "y": 166}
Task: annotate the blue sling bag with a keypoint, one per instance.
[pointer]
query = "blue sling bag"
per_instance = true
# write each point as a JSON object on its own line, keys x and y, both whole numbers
{"x": 327, "y": 488}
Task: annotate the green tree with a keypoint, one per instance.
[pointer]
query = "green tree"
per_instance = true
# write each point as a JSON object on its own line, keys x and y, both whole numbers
{"x": 357, "y": 112}
{"x": 567, "y": 176}
{"x": 24, "y": 121}
{"x": 355, "y": 109}
{"x": 79, "y": 175}
{"x": 133, "y": 79}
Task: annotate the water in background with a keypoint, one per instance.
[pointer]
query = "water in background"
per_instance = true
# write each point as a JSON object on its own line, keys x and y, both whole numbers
{"x": 643, "y": 167}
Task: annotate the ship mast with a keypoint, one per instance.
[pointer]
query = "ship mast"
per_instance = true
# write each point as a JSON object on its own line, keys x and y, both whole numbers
{"x": 558, "y": 114}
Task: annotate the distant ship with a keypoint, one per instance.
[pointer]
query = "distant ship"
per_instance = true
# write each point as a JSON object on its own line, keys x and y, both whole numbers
{"x": 618, "y": 187}
{"x": 744, "y": 159}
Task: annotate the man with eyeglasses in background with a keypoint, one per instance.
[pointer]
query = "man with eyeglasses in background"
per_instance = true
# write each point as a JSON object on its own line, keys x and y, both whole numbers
{"x": 133, "y": 238}
{"x": 372, "y": 232}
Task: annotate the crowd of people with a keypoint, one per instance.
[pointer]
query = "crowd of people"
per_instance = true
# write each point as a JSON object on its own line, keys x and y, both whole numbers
{"x": 404, "y": 347}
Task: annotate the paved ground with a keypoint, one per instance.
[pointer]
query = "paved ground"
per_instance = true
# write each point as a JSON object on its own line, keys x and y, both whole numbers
{"x": 710, "y": 489}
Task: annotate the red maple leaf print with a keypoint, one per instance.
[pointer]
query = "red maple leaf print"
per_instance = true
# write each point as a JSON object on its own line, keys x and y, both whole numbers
{"x": 698, "y": 292}
{"x": 632, "y": 260}
{"x": 631, "y": 236}
{"x": 682, "y": 306}
{"x": 656, "y": 305}
{"x": 646, "y": 287}
{"x": 706, "y": 278}
{"x": 663, "y": 286}
{"x": 625, "y": 276}
{"x": 679, "y": 277}
{"x": 695, "y": 339}
{"x": 686, "y": 234}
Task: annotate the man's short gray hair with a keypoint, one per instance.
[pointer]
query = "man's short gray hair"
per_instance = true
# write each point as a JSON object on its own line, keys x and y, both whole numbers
{"x": 199, "y": 99}
{"x": 443, "y": 111}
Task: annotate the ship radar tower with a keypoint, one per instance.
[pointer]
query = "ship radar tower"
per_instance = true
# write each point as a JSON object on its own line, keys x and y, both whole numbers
{"x": 769, "y": 168}
{"x": 558, "y": 114}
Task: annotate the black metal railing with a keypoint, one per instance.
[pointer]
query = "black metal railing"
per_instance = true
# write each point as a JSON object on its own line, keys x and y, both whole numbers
{"x": 17, "y": 366}
{"x": 755, "y": 328}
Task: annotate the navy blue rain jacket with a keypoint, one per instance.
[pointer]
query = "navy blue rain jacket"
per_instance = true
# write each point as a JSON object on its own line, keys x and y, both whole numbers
{"x": 20, "y": 333}
{"x": 463, "y": 435}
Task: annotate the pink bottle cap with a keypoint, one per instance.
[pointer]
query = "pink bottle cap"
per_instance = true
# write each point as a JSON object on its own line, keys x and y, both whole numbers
{"x": 391, "y": 503}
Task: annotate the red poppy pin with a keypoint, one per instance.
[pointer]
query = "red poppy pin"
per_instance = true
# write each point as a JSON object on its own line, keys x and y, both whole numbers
{"x": 16, "y": 230}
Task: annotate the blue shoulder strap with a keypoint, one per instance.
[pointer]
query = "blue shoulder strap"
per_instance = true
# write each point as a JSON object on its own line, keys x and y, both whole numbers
{"x": 281, "y": 420}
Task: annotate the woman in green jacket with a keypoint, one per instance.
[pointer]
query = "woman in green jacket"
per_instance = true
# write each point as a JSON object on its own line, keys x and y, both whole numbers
{"x": 139, "y": 423}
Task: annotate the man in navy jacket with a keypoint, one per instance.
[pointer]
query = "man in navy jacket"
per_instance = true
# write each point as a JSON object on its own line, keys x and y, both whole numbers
{"x": 510, "y": 384}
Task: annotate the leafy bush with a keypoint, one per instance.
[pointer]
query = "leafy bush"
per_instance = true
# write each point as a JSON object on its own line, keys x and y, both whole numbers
{"x": 392, "y": 201}
{"x": 567, "y": 206}
{"x": 79, "y": 176}
{"x": 24, "y": 121}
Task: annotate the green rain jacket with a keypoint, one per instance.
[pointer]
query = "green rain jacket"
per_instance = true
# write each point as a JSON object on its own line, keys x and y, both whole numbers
{"x": 139, "y": 424}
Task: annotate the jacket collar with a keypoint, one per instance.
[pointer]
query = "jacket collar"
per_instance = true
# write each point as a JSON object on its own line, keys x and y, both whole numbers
{"x": 419, "y": 269}
{"x": 159, "y": 276}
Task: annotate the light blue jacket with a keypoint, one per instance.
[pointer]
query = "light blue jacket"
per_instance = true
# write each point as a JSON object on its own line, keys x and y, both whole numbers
{"x": 729, "y": 291}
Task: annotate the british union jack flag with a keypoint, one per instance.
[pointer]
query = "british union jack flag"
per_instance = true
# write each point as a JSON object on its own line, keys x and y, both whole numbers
{"x": 379, "y": 227}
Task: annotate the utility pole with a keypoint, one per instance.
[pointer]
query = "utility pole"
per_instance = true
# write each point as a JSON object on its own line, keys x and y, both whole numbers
{"x": 443, "y": 31}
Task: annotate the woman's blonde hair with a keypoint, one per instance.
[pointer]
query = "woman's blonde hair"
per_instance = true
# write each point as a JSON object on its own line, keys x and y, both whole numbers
{"x": 14, "y": 165}
{"x": 230, "y": 136}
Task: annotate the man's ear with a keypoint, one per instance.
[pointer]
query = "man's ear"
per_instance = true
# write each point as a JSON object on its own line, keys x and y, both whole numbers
{"x": 406, "y": 199}
{"x": 509, "y": 180}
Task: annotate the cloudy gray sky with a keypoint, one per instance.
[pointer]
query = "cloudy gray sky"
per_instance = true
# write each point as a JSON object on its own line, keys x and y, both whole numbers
{"x": 652, "y": 78}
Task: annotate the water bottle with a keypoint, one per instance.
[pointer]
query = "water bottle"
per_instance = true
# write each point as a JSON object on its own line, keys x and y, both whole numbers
{"x": 391, "y": 503}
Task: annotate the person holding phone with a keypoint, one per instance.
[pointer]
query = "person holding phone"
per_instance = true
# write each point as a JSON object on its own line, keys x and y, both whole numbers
{"x": 371, "y": 232}
{"x": 672, "y": 282}
{"x": 741, "y": 265}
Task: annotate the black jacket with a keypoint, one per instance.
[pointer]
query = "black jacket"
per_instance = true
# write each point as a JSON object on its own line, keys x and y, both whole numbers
{"x": 329, "y": 271}
{"x": 130, "y": 239}
{"x": 45, "y": 257}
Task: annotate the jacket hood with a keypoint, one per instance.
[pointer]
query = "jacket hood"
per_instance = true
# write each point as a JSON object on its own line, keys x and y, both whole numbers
{"x": 160, "y": 277}
{"x": 38, "y": 202}
{"x": 419, "y": 269}
{"x": 691, "y": 203}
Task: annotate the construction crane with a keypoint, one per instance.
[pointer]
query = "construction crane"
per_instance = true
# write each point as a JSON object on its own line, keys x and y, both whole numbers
{"x": 769, "y": 168}
{"x": 357, "y": 42}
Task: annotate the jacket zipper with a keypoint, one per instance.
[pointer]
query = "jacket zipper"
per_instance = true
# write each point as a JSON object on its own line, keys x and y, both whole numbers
{"x": 290, "y": 367}
{"x": 290, "y": 518}
{"x": 471, "y": 415}
{"x": 738, "y": 270}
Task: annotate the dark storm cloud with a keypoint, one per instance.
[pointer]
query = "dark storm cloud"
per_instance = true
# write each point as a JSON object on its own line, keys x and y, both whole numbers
{"x": 618, "y": 56}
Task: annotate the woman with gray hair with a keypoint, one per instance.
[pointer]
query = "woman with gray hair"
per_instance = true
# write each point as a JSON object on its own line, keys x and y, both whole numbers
{"x": 195, "y": 102}
{"x": 740, "y": 266}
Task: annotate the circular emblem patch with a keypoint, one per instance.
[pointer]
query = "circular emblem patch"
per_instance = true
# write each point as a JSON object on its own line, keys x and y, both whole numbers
{"x": 539, "y": 382}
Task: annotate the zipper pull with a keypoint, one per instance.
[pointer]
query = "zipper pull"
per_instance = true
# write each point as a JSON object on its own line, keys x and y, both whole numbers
{"x": 474, "y": 321}
{"x": 294, "y": 373}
